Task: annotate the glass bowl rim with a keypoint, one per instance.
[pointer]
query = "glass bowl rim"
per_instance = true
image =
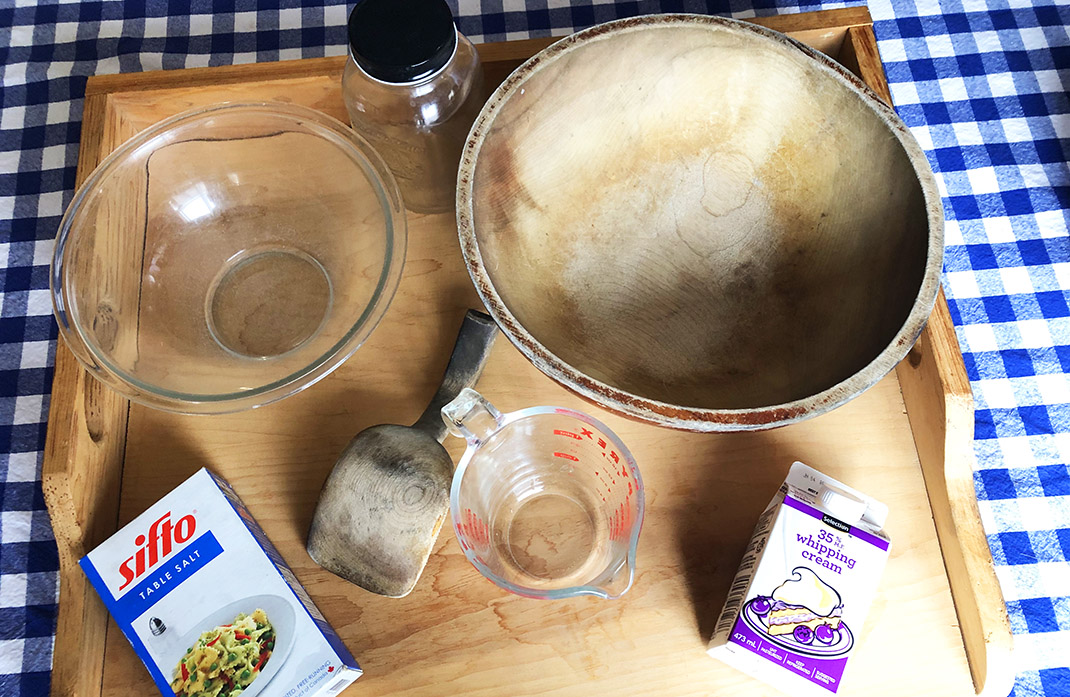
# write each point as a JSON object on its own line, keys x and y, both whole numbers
{"x": 317, "y": 124}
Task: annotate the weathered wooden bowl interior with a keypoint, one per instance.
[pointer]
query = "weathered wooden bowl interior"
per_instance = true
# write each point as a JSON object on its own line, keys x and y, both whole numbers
{"x": 697, "y": 213}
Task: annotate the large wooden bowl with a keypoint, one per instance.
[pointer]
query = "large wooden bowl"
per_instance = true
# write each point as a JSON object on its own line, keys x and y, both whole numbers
{"x": 700, "y": 223}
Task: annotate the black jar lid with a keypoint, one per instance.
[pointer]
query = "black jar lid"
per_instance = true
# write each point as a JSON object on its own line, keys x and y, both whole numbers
{"x": 401, "y": 40}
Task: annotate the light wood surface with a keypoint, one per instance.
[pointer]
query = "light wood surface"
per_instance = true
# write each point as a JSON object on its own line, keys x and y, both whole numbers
{"x": 457, "y": 633}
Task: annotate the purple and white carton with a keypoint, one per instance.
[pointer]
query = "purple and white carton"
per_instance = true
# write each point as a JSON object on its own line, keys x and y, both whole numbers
{"x": 804, "y": 586}
{"x": 209, "y": 605}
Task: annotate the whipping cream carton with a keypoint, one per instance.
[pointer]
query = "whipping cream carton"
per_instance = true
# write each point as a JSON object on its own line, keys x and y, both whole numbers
{"x": 209, "y": 605}
{"x": 804, "y": 586}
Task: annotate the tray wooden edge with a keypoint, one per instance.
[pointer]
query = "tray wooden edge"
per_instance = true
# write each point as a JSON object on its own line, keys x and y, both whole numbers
{"x": 939, "y": 404}
{"x": 85, "y": 444}
{"x": 80, "y": 479}
{"x": 802, "y": 25}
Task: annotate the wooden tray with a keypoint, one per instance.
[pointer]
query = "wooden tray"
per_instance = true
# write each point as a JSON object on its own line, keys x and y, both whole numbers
{"x": 939, "y": 618}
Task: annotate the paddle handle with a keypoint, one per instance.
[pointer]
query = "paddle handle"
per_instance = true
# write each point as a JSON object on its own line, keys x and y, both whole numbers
{"x": 470, "y": 354}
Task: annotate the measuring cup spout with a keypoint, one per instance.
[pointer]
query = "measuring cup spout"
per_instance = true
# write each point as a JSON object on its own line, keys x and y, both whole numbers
{"x": 471, "y": 417}
{"x": 621, "y": 580}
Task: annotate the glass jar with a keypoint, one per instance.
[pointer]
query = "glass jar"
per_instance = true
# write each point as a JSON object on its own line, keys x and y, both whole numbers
{"x": 413, "y": 85}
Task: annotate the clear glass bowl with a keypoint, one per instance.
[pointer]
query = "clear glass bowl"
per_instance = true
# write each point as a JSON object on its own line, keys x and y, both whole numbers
{"x": 228, "y": 257}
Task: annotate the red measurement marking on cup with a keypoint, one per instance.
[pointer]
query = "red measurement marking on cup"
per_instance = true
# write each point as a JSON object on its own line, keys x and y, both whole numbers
{"x": 567, "y": 456}
{"x": 621, "y": 522}
{"x": 615, "y": 525}
{"x": 570, "y": 434}
{"x": 475, "y": 529}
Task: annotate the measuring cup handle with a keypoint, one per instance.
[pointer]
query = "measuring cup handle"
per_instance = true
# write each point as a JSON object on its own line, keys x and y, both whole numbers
{"x": 471, "y": 417}
{"x": 470, "y": 354}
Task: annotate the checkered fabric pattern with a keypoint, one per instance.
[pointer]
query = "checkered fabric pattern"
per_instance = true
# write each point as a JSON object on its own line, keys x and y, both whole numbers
{"x": 981, "y": 83}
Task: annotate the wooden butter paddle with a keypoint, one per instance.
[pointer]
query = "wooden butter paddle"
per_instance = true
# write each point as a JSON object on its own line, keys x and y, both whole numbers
{"x": 383, "y": 504}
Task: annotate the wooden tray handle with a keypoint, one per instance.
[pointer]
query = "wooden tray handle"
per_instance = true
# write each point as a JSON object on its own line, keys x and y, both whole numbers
{"x": 80, "y": 479}
{"x": 939, "y": 402}
{"x": 936, "y": 392}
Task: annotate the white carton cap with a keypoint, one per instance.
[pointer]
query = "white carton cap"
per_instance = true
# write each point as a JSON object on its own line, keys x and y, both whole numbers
{"x": 876, "y": 514}
{"x": 841, "y": 505}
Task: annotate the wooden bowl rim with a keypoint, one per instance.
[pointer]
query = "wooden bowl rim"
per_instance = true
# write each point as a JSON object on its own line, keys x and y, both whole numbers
{"x": 663, "y": 413}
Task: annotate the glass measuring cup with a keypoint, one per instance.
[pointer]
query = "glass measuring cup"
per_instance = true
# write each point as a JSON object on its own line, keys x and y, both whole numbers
{"x": 546, "y": 502}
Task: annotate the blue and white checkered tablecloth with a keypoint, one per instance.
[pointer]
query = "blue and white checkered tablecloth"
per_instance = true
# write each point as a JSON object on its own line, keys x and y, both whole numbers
{"x": 982, "y": 85}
